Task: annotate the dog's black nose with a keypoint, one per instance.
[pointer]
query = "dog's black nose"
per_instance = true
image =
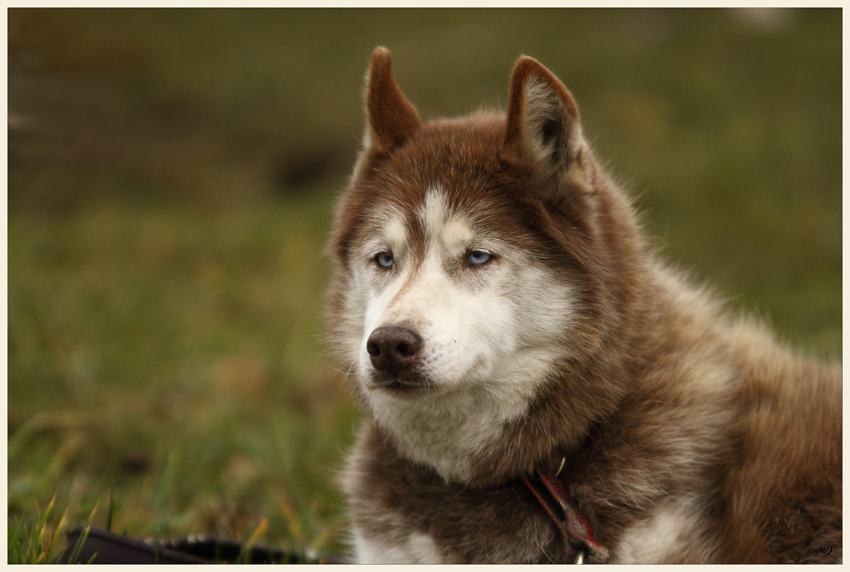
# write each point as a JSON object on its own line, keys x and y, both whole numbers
{"x": 393, "y": 348}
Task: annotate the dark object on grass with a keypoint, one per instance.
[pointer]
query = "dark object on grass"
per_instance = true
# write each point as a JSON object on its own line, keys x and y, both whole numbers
{"x": 102, "y": 547}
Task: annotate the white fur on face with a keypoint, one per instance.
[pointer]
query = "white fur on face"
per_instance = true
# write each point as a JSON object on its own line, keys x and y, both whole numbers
{"x": 490, "y": 333}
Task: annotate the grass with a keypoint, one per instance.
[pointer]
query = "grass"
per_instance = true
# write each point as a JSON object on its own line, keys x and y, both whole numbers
{"x": 36, "y": 540}
{"x": 177, "y": 349}
{"x": 171, "y": 184}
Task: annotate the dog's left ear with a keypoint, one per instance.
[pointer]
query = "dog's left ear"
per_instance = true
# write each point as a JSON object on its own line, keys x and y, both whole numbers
{"x": 543, "y": 128}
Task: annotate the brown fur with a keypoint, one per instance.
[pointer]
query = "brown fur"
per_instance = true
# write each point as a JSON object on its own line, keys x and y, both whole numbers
{"x": 664, "y": 397}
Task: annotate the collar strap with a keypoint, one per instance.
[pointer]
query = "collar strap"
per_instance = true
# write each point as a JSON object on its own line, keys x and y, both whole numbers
{"x": 573, "y": 525}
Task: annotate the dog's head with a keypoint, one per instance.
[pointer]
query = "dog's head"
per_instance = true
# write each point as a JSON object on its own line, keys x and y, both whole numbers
{"x": 473, "y": 255}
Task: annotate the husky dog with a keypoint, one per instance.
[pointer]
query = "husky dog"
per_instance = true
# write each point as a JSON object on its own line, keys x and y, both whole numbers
{"x": 537, "y": 386}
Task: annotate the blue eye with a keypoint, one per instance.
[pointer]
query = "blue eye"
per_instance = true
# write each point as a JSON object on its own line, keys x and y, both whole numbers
{"x": 478, "y": 257}
{"x": 384, "y": 259}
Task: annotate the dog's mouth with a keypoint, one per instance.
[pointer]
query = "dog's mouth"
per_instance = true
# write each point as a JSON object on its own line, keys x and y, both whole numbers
{"x": 400, "y": 385}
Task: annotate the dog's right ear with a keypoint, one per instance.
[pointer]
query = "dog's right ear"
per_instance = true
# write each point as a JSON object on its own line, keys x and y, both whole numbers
{"x": 392, "y": 118}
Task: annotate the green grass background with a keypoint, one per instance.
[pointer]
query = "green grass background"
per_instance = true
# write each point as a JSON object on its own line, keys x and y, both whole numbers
{"x": 171, "y": 179}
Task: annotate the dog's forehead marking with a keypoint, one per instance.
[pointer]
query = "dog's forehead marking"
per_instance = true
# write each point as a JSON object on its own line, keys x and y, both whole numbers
{"x": 442, "y": 226}
{"x": 433, "y": 211}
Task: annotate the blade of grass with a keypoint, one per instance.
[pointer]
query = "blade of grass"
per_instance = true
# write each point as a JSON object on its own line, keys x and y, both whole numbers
{"x": 109, "y": 512}
{"x": 166, "y": 481}
{"x": 39, "y": 529}
{"x": 245, "y": 553}
{"x": 289, "y": 516}
{"x": 55, "y": 533}
{"x": 75, "y": 553}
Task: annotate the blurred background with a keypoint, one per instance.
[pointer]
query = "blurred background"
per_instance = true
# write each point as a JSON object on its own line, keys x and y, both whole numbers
{"x": 172, "y": 174}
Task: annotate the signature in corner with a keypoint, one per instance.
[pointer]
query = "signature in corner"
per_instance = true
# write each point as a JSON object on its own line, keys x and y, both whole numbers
{"x": 824, "y": 550}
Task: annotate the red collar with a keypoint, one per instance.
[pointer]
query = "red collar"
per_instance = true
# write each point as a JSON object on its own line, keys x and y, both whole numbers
{"x": 571, "y": 522}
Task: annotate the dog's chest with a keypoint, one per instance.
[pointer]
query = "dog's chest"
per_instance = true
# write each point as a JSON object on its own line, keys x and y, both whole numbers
{"x": 404, "y": 512}
{"x": 453, "y": 526}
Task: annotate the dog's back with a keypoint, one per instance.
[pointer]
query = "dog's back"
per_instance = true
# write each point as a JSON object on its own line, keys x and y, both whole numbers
{"x": 784, "y": 483}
